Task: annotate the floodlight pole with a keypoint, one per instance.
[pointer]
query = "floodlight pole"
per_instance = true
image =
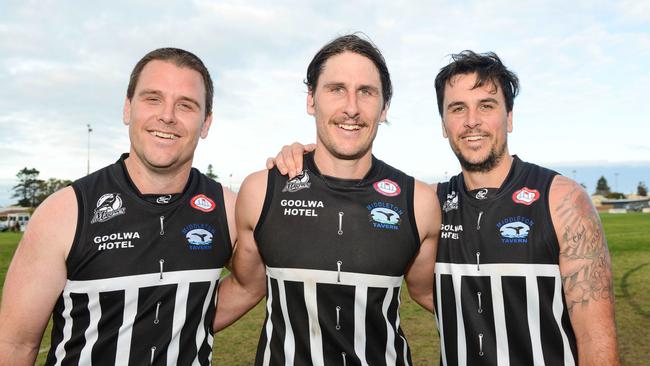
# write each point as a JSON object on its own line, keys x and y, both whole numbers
{"x": 88, "y": 166}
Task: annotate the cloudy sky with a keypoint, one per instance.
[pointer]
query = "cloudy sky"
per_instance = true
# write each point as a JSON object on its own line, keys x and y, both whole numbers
{"x": 583, "y": 67}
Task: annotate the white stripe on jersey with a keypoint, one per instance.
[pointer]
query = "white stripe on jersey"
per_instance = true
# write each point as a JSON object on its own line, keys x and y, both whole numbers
{"x": 315, "y": 334}
{"x": 360, "y": 304}
{"x": 500, "y": 330}
{"x": 330, "y": 277}
{"x": 131, "y": 286}
{"x": 391, "y": 356}
{"x": 495, "y": 271}
{"x": 269, "y": 324}
{"x": 289, "y": 342}
{"x": 67, "y": 330}
{"x": 438, "y": 314}
{"x": 91, "y": 333}
{"x": 200, "y": 332}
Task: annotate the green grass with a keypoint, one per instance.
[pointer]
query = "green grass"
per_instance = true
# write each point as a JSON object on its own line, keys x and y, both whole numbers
{"x": 628, "y": 237}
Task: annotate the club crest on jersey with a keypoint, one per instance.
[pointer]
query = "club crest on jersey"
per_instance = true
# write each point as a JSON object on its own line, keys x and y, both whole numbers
{"x": 199, "y": 236}
{"x": 384, "y": 215}
{"x": 451, "y": 203}
{"x": 387, "y": 187}
{"x": 301, "y": 181}
{"x": 202, "y": 202}
{"x": 109, "y": 205}
{"x": 515, "y": 229}
{"x": 526, "y": 196}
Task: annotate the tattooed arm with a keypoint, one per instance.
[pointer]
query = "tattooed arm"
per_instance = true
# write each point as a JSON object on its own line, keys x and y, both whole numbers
{"x": 585, "y": 267}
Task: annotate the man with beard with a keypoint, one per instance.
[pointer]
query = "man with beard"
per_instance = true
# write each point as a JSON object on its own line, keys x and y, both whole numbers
{"x": 515, "y": 239}
{"x": 127, "y": 259}
{"x": 331, "y": 247}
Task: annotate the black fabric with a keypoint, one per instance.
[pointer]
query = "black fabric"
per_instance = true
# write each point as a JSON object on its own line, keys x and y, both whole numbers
{"x": 121, "y": 233}
{"x": 505, "y": 229}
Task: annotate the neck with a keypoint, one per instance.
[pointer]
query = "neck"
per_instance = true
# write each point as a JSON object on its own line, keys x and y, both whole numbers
{"x": 342, "y": 168}
{"x": 492, "y": 179}
{"x": 152, "y": 181}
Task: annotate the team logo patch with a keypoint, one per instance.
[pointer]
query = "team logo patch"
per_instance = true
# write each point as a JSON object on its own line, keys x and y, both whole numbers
{"x": 199, "y": 236}
{"x": 451, "y": 203}
{"x": 202, "y": 203}
{"x": 515, "y": 230}
{"x": 387, "y": 187}
{"x": 109, "y": 205}
{"x": 526, "y": 196}
{"x": 384, "y": 215}
{"x": 301, "y": 181}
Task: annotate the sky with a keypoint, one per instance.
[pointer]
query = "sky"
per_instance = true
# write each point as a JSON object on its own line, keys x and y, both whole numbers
{"x": 583, "y": 67}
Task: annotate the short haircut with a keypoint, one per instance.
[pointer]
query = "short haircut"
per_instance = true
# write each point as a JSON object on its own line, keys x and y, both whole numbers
{"x": 358, "y": 45}
{"x": 489, "y": 69}
{"x": 180, "y": 58}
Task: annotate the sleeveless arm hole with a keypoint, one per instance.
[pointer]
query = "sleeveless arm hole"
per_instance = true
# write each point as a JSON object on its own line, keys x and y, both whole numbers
{"x": 70, "y": 260}
{"x": 271, "y": 176}
{"x": 410, "y": 200}
{"x": 549, "y": 228}
{"x": 222, "y": 213}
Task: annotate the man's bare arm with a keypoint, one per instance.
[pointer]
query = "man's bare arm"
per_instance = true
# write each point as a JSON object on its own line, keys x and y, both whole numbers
{"x": 420, "y": 275}
{"x": 36, "y": 277}
{"x": 585, "y": 267}
{"x": 246, "y": 285}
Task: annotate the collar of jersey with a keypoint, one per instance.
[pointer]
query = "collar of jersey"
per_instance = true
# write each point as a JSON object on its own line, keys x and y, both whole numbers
{"x": 134, "y": 191}
{"x": 515, "y": 169}
{"x": 371, "y": 176}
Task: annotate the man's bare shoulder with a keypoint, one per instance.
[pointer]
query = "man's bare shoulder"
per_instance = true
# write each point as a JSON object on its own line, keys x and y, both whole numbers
{"x": 56, "y": 220}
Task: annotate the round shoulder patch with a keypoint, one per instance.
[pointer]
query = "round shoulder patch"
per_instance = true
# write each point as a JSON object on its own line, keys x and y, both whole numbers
{"x": 202, "y": 203}
{"x": 387, "y": 187}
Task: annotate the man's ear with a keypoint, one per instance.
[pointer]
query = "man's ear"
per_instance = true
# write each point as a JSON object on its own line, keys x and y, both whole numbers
{"x": 206, "y": 126}
{"x": 311, "y": 108}
{"x": 126, "y": 112}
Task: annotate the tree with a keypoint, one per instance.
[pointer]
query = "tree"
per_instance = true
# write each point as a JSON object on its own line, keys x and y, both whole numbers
{"x": 27, "y": 188}
{"x": 210, "y": 174}
{"x": 46, "y": 188}
{"x": 601, "y": 187}
{"x": 642, "y": 189}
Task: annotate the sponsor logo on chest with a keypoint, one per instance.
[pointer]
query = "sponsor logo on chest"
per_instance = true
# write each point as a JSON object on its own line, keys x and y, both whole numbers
{"x": 515, "y": 229}
{"x": 202, "y": 203}
{"x": 525, "y": 196}
{"x": 116, "y": 240}
{"x": 383, "y": 215}
{"x": 108, "y": 206}
{"x": 387, "y": 187}
{"x": 451, "y": 203}
{"x": 301, "y": 207}
{"x": 199, "y": 236}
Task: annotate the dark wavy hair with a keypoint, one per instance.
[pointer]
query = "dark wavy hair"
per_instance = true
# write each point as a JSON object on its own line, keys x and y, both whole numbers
{"x": 180, "y": 58}
{"x": 489, "y": 69}
{"x": 356, "y": 44}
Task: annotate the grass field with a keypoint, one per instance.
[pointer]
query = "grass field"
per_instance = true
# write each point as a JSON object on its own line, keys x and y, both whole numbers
{"x": 628, "y": 237}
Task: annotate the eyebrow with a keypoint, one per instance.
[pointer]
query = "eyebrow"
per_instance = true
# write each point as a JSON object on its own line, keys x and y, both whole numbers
{"x": 158, "y": 93}
{"x": 489, "y": 100}
{"x": 338, "y": 84}
{"x": 454, "y": 104}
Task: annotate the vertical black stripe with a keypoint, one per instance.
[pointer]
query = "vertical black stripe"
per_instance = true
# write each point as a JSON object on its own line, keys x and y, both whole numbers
{"x": 205, "y": 351}
{"x": 187, "y": 345}
{"x": 77, "y": 341}
{"x": 449, "y": 320}
{"x": 335, "y": 342}
{"x": 376, "y": 327}
{"x": 478, "y": 323}
{"x": 57, "y": 331}
{"x": 112, "y": 309}
{"x": 552, "y": 347}
{"x": 146, "y": 332}
{"x": 277, "y": 336}
{"x": 299, "y": 318}
{"x": 515, "y": 305}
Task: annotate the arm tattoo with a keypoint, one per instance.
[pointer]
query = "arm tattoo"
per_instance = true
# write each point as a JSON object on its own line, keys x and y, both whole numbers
{"x": 586, "y": 265}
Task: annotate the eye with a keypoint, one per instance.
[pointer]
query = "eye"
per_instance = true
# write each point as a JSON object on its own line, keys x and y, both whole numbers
{"x": 367, "y": 92}
{"x": 486, "y": 107}
{"x": 153, "y": 99}
{"x": 457, "y": 109}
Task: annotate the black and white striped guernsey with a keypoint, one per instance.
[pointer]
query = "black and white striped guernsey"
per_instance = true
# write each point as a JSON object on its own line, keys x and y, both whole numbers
{"x": 336, "y": 251}
{"x": 142, "y": 276}
{"x": 499, "y": 297}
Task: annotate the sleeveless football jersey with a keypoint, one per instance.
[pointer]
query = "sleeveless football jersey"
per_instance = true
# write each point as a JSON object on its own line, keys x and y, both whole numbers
{"x": 335, "y": 252}
{"x": 498, "y": 291}
{"x": 142, "y": 276}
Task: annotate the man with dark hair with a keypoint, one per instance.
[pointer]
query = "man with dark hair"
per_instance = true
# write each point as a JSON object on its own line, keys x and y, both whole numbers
{"x": 515, "y": 239}
{"x": 331, "y": 247}
{"x": 127, "y": 259}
